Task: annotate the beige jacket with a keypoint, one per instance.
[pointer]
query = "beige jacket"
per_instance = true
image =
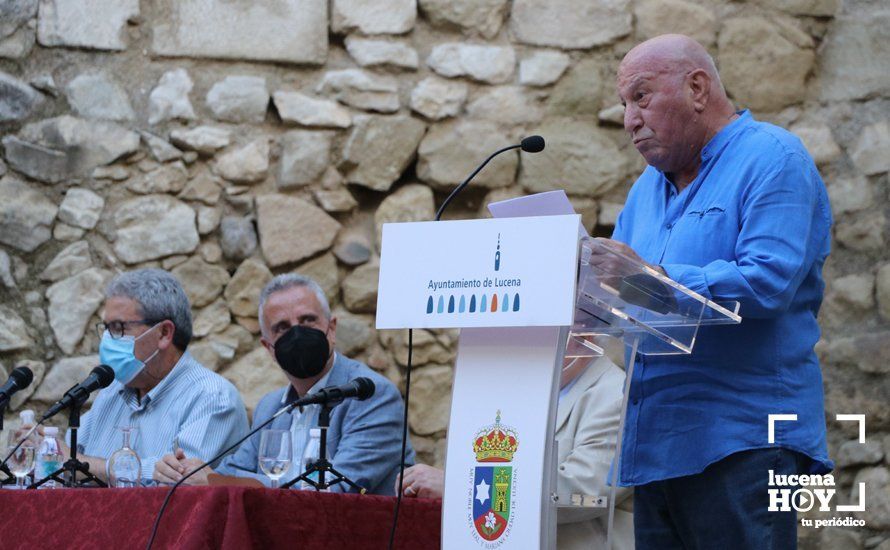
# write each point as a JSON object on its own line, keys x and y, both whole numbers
{"x": 586, "y": 429}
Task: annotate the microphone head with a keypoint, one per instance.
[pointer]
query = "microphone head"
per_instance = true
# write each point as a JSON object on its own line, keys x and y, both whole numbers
{"x": 364, "y": 388}
{"x": 104, "y": 375}
{"x": 532, "y": 144}
{"x": 22, "y": 376}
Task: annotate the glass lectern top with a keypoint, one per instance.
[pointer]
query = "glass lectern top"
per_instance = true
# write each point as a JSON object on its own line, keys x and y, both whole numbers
{"x": 619, "y": 296}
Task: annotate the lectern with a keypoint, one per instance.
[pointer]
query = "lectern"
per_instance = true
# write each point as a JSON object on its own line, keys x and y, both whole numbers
{"x": 521, "y": 289}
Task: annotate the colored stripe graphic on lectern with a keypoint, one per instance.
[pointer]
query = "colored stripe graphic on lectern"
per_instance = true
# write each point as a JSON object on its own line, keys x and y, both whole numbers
{"x": 484, "y": 303}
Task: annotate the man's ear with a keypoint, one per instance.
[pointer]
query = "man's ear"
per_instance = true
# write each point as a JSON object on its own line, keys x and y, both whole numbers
{"x": 167, "y": 330}
{"x": 270, "y": 347}
{"x": 699, "y": 83}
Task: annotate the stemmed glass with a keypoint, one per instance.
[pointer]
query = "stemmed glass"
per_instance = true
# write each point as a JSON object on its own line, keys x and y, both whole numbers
{"x": 22, "y": 460}
{"x": 276, "y": 454}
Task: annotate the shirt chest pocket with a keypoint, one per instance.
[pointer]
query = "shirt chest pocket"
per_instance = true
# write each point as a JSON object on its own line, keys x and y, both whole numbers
{"x": 703, "y": 234}
{"x": 710, "y": 212}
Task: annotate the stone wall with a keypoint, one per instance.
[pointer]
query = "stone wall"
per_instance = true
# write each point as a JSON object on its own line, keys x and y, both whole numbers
{"x": 232, "y": 140}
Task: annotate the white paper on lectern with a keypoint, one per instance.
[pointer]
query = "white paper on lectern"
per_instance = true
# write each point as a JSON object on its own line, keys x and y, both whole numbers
{"x": 478, "y": 273}
{"x": 549, "y": 203}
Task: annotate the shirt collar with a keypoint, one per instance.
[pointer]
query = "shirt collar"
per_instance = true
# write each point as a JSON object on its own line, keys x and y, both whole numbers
{"x": 291, "y": 394}
{"x": 725, "y": 135}
{"x": 131, "y": 397}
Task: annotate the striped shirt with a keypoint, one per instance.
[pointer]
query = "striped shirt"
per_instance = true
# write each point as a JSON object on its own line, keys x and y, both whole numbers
{"x": 197, "y": 407}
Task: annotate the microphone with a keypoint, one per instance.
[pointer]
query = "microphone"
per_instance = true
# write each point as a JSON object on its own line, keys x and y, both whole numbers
{"x": 19, "y": 379}
{"x": 100, "y": 377}
{"x": 360, "y": 388}
{"x": 530, "y": 144}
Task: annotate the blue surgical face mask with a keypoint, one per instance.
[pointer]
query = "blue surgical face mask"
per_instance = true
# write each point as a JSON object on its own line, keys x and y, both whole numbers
{"x": 118, "y": 353}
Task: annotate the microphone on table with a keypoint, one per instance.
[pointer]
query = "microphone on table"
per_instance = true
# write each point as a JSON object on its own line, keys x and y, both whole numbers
{"x": 360, "y": 389}
{"x": 530, "y": 144}
{"x": 19, "y": 379}
{"x": 100, "y": 377}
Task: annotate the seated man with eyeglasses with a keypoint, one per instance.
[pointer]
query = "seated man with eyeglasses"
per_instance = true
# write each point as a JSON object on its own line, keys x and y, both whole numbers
{"x": 159, "y": 388}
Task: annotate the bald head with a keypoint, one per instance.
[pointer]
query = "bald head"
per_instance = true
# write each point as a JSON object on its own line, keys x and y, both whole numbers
{"x": 674, "y": 54}
{"x": 674, "y": 103}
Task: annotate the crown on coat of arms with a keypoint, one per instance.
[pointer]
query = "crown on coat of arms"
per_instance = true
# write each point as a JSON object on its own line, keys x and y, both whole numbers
{"x": 495, "y": 443}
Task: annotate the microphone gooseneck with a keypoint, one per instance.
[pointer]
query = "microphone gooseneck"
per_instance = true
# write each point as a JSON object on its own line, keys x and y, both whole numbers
{"x": 531, "y": 144}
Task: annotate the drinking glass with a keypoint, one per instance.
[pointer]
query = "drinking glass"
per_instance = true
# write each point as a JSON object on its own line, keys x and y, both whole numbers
{"x": 22, "y": 460}
{"x": 276, "y": 454}
{"x": 124, "y": 469}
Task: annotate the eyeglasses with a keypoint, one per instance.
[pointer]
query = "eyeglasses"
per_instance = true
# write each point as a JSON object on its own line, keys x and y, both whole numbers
{"x": 117, "y": 328}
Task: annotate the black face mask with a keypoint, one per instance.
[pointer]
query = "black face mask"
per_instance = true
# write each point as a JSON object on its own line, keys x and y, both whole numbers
{"x": 302, "y": 351}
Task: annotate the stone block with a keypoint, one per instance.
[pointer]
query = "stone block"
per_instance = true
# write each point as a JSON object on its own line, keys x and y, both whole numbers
{"x": 489, "y": 64}
{"x": 81, "y": 208}
{"x": 170, "y": 98}
{"x": 437, "y": 98}
{"x": 96, "y": 95}
{"x": 451, "y": 150}
{"x": 582, "y": 160}
{"x": 380, "y": 148}
{"x": 239, "y": 98}
{"x": 484, "y": 17}
{"x": 26, "y": 215}
{"x": 305, "y": 156}
{"x": 243, "y": 291}
{"x": 570, "y": 24}
{"x": 206, "y": 140}
{"x": 309, "y": 111}
{"x": 292, "y": 229}
{"x": 869, "y": 152}
{"x": 410, "y": 203}
{"x": 380, "y": 17}
{"x": 72, "y": 303}
{"x": 655, "y": 17}
{"x": 95, "y": 24}
{"x": 290, "y": 31}
{"x": 73, "y": 259}
{"x": 153, "y": 227}
{"x": 543, "y": 67}
{"x": 247, "y": 164}
{"x": 369, "y": 52}
{"x": 202, "y": 282}
{"x": 855, "y": 57}
{"x": 17, "y": 99}
{"x": 362, "y": 90}
{"x": 764, "y": 65}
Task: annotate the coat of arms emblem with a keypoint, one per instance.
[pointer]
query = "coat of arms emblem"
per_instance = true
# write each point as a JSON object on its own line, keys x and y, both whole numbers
{"x": 492, "y": 486}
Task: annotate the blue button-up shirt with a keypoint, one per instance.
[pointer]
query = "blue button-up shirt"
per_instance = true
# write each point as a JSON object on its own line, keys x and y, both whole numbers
{"x": 197, "y": 407}
{"x": 752, "y": 227}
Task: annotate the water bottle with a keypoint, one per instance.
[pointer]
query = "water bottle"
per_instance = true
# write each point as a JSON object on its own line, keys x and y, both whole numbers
{"x": 310, "y": 456}
{"x": 49, "y": 458}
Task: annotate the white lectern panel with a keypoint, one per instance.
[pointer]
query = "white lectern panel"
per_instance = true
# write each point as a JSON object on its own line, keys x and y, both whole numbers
{"x": 507, "y": 272}
{"x": 499, "y": 464}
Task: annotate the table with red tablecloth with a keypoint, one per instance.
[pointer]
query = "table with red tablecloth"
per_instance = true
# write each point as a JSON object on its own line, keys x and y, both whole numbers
{"x": 213, "y": 517}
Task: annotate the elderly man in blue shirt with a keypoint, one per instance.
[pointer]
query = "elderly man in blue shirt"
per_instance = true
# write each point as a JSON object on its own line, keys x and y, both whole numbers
{"x": 159, "y": 388}
{"x": 734, "y": 209}
{"x": 364, "y": 438}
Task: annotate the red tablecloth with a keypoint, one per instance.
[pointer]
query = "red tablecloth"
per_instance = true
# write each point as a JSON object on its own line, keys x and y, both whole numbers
{"x": 213, "y": 517}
